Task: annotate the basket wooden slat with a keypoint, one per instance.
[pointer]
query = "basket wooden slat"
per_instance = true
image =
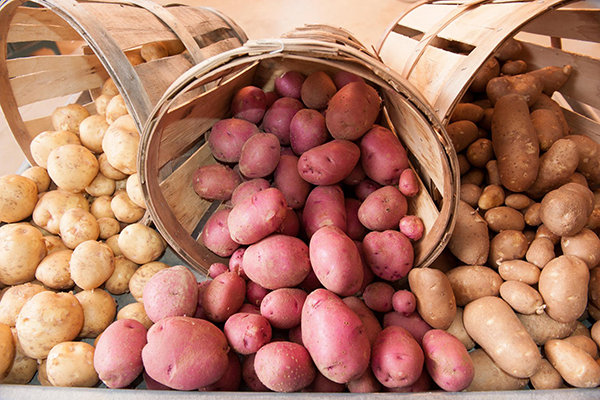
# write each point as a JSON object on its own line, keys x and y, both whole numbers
{"x": 33, "y": 24}
{"x": 32, "y": 65}
{"x": 574, "y": 24}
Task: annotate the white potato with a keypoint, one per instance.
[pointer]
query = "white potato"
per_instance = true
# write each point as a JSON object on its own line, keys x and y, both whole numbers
{"x": 134, "y": 190}
{"x": 141, "y": 244}
{"x": 68, "y": 118}
{"x": 78, "y": 226}
{"x": 52, "y": 205}
{"x": 141, "y": 276}
{"x": 72, "y": 167}
{"x": 108, "y": 227}
{"x": 118, "y": 283}
{"x": 92, "y": 263}
{"x": 109, "y": 88}
{"x": 22, "y": 247}
{"x": 101, "y": 186}
{"x": 125, "y": 209}
{"x": 14, "y": 299}
{"x": 40, "y": 176}
{"x": 91, "y": 132}
{"x": 54, "y": 270}
{"x": 137, "y": 312}
{"x": 115, "y": 108}
{"x": 18, "y": 197}
{"x": 154, "y": 51}
{"x": 71, "y": 364}
{"x": 120, "y": 144}
{"x": 99, "y": 311}
{"x": 42, "y": 145}
{"x": 23, "y": 367}
{"x": 101, "y": 102}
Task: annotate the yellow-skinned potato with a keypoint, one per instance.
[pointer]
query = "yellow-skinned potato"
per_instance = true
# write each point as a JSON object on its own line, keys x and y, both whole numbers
{"x": 72, "y": 167}
{"x": 134, "y": 57}
{"x": 52, "y": 205}
{"x": 435, "y": 299}
{"x": 7, "y": 350}
{"x": 118, "y": 283}
{"x": 108, "y": 227}
{"x": 18, "y": 197}
{"x": 115, "y": 108}
{"x": 124, "y": 209}
{"x": 42, "y": 145}
{"x": 43, "y": 374}
{"x": 120, "y": 144}
{"x": 92, "y": 263}
{"x": 71, "y": 364}
{"x": 91, "y": 132}
{"x": 78, "y": 226}
{"x": 22, "y": 247}
{"x": 101, "y": 102}
{"x": 100, "y": 207}
{"x": 174, "y": 46}
{"x": 492, "y": 196}
{"x": 134, "y": 190}
{"x": 23, "y": 367}
{"x": 99, "y": 311}
{"x": 108, "y": 170}
{"x": 68, "y": 118}
{"x": 13, "y": 300}
{"x": 54, "y": 271}
{"x": 113, "y": 243}
{"x": 141, "y": 244}
{"x": 141, "y": 276}
{"x": 154, "y": 51}
{"x": 101, "y": 186}
{"x": 137, "y": 312}
{"x": 576, "y": 367}
{"x": 109, "y": 88}
{"x": 38, "y": 175}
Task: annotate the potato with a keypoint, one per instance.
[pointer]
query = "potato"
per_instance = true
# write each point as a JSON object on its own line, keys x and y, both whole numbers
{"x": 134, "y": 190}
{"x": 118, "y": 355}
{"x": 259, "y": 155}
{"x": 54, "y": 270}
{"x": 447, "y": 361}
{"x": 370, "y": 322}
{"x": 563, "y": 285}
{"x": 108, "y": 170}
{"x": 108, "y": 227}
{"x": 378, "y": 296}
{"x": 404, "y": 302}
{"x": 287, "y": 179}
{"x": 566, "y": 210}
{"x": 317, "y": 90}
{"x": 518, "y": 201}
{"x": 507, "y": 245}
{"x": 215, "y": 234}
{"x": 231, "y": 380}
{"x": 254, "y": 292}
{"x": 13, "y": 300}
{"x": 278, "y": 117}
{"x": 78, "y": 226}
{"x": 457, "y": 329}
{"x": 367, "y": 383}
{"x": 589, "y": 157}
{"x": 283, "y": 307}
{"x": 109, "y": 88}
{"x": 471, "y": 282}
{"x": 546, "y": 378}
{"x": 228, "y": 136}
{"x": 328, "y": 163}
{"x": 435, "y": 299}
{"x": 99, "y": 311}
{"x": 389, "y": 254}
{"x": 575, "y": 366}
{"x": 223, "y": 296}
{"x": 115, "y": 109}
{"x": 68, "y": 118}
{"x": 141, "y": 276}
{"x": 171, "y": 292}
{"x": 141, "y": 244}
{"x": 521, "y": 297}
{"x": 543, "y": 328}
{"x": 153, "y": 51}
{"x": 100, "y": 102}
{"x": 480, "y": 152}
{"x": 382, "y": 156}
{"x": 583, "y": 342}
{"x": 100, "y": 207}
{"x": 135, "y": 311}
{"x": 91, "y": 132}
{"x": 249, "y": 375}
{"x": 552, "y": 78}
{"x": 515, "y": 67}
{"x": 173, "y": 337}
{"x": 383, "y": 209}
{"x": 470, "y": 193}
{"x": 396, "y": 360}
{"x": 47, "y": 319}
{"x": 470, "y": 241}
{"x": 307, "y": 130}
{"x": 548, "y": 127}
{"x": 39, "y": 176}
{"x": 492, "y": 196}
{"x": 23, "y": 367}
{"x": 556, "y": 167}
{"x": 489, "y": 377}
{"x": 519, "y": 270}
{"x": 7, "y": 350}
{"x": 101, "y": 186}
{"x": 593, "y": 289}
{"x": 335, "y": 261}
{"x": 585, "y": 245}
{"x": 328, "y": 324}
{"x": 124, "y": 209}
{"x": 284, "y": 366}
{"x": 42, "y": 145}
{"x": 527, "y": 86}
{"x": 467, "y": 111}
{"x": 277, "y": 261}
{"x": 22, "y": 248}
{"x": 490, "y": 69}
{"x": 247, "y": 333}
{"x": 540, "y": 252}
{"x": 495, "y": 327}
{"x": 352, "y": 111}
{"x": 413, "y": 323}
{"x": 365, "y": 188}
{"x": 341, "y": 78}
{"x": 118, "y": 283}
{"x": 324, "y": 206}
{"x": 120, "y": 144}
{"x": 71, "y": 364}
{"x": 289, "y": 84}
{"x": 502, "y": 218}
{"x": 249, "y": 104}
{"x": 72, "y": 167}
{"x": 18, "y": 197}
{"x": 462, "y": 134}
{"x": 92, "y": 263}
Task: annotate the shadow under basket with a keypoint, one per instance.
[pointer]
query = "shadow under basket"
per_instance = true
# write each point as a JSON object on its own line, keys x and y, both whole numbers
{"x": 174, "y": 143}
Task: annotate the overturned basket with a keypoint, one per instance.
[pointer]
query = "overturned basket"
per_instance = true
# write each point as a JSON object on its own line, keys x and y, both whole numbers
{"x": 174, "y": 143}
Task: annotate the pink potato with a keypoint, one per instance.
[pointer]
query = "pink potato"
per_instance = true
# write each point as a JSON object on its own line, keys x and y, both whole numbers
{"x": 217, "y": 269}
{"x": 259, "y": 156}
{"x": 397, "y": 359}
{"x": 356, "y": 176}
{"x": 284, "y": 366}
{"x": 354, "y": 228}
{"x": 382, "y": 156}
{"x": 316, "y": 91}
{"x": 412, "y": 227}
{"x": 422, "y": 384}
{"x": 279, "y": 116}
{"x": 368, "y": 275}
{"x": 171, "y": 292}
{"x": 352, "y": 111}
{"x": 172, "y": 340}
{"x": 271, "y": 96}
{"x": 223, "y": 296}
{"x": 283, "y": 307}
{"x": 258, "y": 216}
{"x": 231, "y": 379}
{"x": 447, "y": 361}
{"x": 248, "y": 188}
{"x": 289, "y": 84}
{"x": 369, "y": 320}
{"x": 408, "y": 183}
{"x": 324, "y": 206}
{"x": 341, "y": 78}
{"x": 249, "y": 375}
{"x": 378, "y": 296}
{"x": 277, "y": 261}
{"x": 322, "y": 384}
{"x": 365, "y": 187}
{"x": 389, "y": 254}
{"x": 336, "y": 261}
{"x": 367, "y": 383}
{"x": 383, "y": 209}
{"x": 249, "y": 103}
{"x": 247, "y": 332}
{"x": 215, "y": 181}
{"x": 307, "y": 130}
{"x": 235, "y": 262}
{"x": 287, "y": 179}
{"x": 118, "y": 353}
{"x": 413, "y": 323}
{"x": 215, "y": 234}
{"x": 202, "y": 286}
{"x": 227, "y": 137}
{"x": 404, "y": 302}
{"x": 255, "y": 293}
{"x": 328, "y": 163}
{"x": 290, "y": 225}
{"x": 329, "y": 326}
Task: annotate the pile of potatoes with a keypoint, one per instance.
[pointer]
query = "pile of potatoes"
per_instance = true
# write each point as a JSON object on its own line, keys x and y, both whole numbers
{"x": 71, "y": 240}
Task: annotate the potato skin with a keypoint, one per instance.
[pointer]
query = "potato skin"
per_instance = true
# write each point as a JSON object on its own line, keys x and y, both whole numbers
{"x": 317, "y": 89}
{"x": 383, "y": 157}
{"x": 528, "y": 86}
{"x": 589, "y": 157}
{"x": 170, "y": 292}
{"x": 227, "y": 137}
{"x": 470, "y": 241}
{"x": 585, "y": 245}
{"x": 328, "y": 163}
{"x": 284, "y": 366}
{"x": 283, "y": 307}
{"x": 278, "y": 117}
{"x": 7, "y": 350}
{"x": 287, "y": 179}
{"x": 249, "y": 103}
{"x": 576, "y": 367}
{"x": 383, "y": 209}
{"x": 325, "y": 205}
{"x": 462, "y": 133}
{"x": 215, "y": 181}
{"x": 470, "y": 282}
{"x": 547, "y": 377}
{"x": 352, "y": 111}
{"x": 22, "y": 248}
{"x": 447, "y": 361}
{"x": 259, "y": 156}
{"x": 14, "y": 187}
{"x": 556, "y": 167}
{"x": 246, "y": 333}
{"x": 435, "y": 299}
{"x": 566, "y": 210}
{"x": 223, "y": 296}
{"x": 215, "y": 234}
{"x": 389, "y": 254}
{"x": 488, "y": 376}
{"x": 542, "y": 328}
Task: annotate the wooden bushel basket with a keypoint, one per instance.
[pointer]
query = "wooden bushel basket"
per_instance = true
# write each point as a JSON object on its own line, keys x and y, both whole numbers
{"x": 107, "y": 30}
{"x": 552, "y": 32}
{"x": 174, "y": 143}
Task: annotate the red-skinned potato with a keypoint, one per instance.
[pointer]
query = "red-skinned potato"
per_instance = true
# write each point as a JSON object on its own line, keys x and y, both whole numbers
{"x": 215, "y": 234}
{"x": 284, "y": 366}
{"x": 325, "y": 205}
{"x": 383, "y": 209}
{"x": 352, "y": 111}
{"x": 283, "y": 307}
{"x": 215, "y": 181}
{"x": 250, "y": 104}
{"x": 316, "y": 91}
{"x": 259, "y": 156}
{"x": 223, "y": 296}
{"x": 328, "y": 163}
{"x": 227, "y": 137}
{"x": 246, "y": 332}
{"x": 289, "y": 84}
{"x": 447, "y": 361}
{"x": 278, "y": 117}
{"x": 307, "y": 130}
{"x": 389, "y": 254}
{"x": 382, "y": 156}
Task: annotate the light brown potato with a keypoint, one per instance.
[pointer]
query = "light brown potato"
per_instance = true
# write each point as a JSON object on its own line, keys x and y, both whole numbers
{"x": 543, "y": 231}
{"x": 584, "y": 343}
{"x": 521, "y": 297}
{"x": 594, "y": 312}
{"x": 134, "y": 190}
{"x": 594, "y": 287}
{"x": 513, "y": 67}
{"x": 101, "y": 207}
{"x": 564, "y": 286}
{"x": 510, "y": 50}
{"x": 23, "y": 367}
{"x": 109, "y": 88}
{"x": 435, "y": 299}
{"x": 13, "y": 300}
{"x": 42, "y": 322}
{"x": 585, "y": 245}
{"x": 78, "y": 226}
{"x": 594, "y": 220}
{"x": 120, "y": 144}
{"x": 540, "y": 252}
{"x": 115, "y": 109}
{"x": 22, "y": 247}
{"x": 135, "y": 311}
{"x": 474, "y": 176}
{"x": 489, "y": 377}
{"x": 462, "y": 134}
{"x": 18, "y": 197}
{"x": 101, "y": 102}
{"x": 576, "y": 367}
{"x": 555, "y": 168}
{"x": 518, "y": 201}
{"x": 519, "y": 270}
{"x": 526, "y": 86}
{"x": 68, "y": 118}
{"x": 548, "y": 127}
{"x": 124, "y": 209}
{"x": 99, "y": 311}
{"x": 141, "y": 276}
{"x": 71, "y": 364}
{"x": 532, "y": 215}
{"x": 542, "y": 328}
{"x": 490, "y": 69}
{"x": 154, "y": 51}
{"x": 141, "y": 244}
{"x": 470, "y": 241}
{"x": 92, "y": 263}
{"x": 113, "y": 243}
{"x": 42, "y": 145}
{"x": 134, "y": 57}
{"x": 502, "y": 218}
{"x": 492, "y": 196}
{"x": 101, "y": 186}
{"x": 457, "y": 328}
{"x": 39, "y": 176}
{"x": 52, "y": 205}
{"x": 54, "y": 271}
{"x": 595, "y": 332}
{"x": 108, "y": 170}
{"x": 546, "y": 378}
{"x": 108, "y": 227}
{"x": 471, "y": 282}
{"x": 507, "y": 245}
{"x": 468, "y": 111}
{"x": 118, "y": 283}
{"x": 72, "y": 167}
{"x": 566, "y": 210}
{"x": 7, "y": 350}
{"x": 91, "y": 132}
{"x": 174, "y": 46}
{"x": 470, "y": 193}
{"x": 582, "y": 330}
{"x": 589, "y": 157}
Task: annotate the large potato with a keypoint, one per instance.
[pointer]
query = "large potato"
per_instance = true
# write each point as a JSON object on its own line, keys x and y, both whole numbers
{"x": 435, "y": 299}
{"x": 389, "y": 254}
{"x": 227, "y": 137}
{"x": 18, "y": 197}
{"x": 284, "y": 366}
{"x": 324, "y": 206}
{"x": 120, "y": 144}
{"x": 72, "y": 167}
{"x": 92, "y": 263}
{"x": 470, "y": 282}
{"x": 14, "y": 298}
{"x": 141, "y": 244}
{"x": 447, "y": 361}
{"x": 71, "y": 364}
{"x": 575, "y": 366}
{"x": 352, "y": 111}
{"x": 489, "y": 377}
{"x": 171, "y": 292}
{"x": 329, "y": 163}
{"x": 69, "y": 117}
{"x": 566, "y": 210}
{"x": 42, "y": 145}
{"x": 246, "y": 332}
{"x": 470, "y": 241}
{"x": 22, "y": 248}
{"x": 382, "y": 155}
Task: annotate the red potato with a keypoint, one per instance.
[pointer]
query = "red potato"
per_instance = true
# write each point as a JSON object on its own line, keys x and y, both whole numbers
{"x": 248, "y": 188}
{"x": 383, "y": 209}
{"x": 336, "y": 261}
{"x": 235, "y": 262}
{"x": 389, "y": 254}
{"x": 171, "y": 292}
{"x": 397, "y": 359}
{"x": 217, "y": 269}
{"x": 352, "y": 111}
{"x": 289, "y": 84}
{"x": 171, "y": 341}
{"x": 328, "y": 326}
{"x": 356, "y": 176}
{"x": 447, "y": 361}
{"x": 118, "y": 354}
{"x": 341, "y": 78}
{"x": 290, "y": 225}
{"x": 250, "y": 104}
{"x": 279, "y": 116}
{"x": 367, "y": 383}
{"x": 369, "y": 320}
{"x": 271, "y": 96}
{"x": 307, "y": 130}
{"x": 215, "y": 181}
{"x": 382, "y": 156}
{"x": 246, "y": 333}
{"x": 413, "y": 323}
{"x": 404, "y": 302}
{"x": 283, "y": 307}
{"x": 258, "y": 216}
{"x": 316, "y": 91}
{"x": 255, "y": 293}
{"x": 284, "y": 366}
{"x": 408, "y": 183}
{"x": 215, "y": 234}
{"x": 412, "y": 227}
{"x": 231, "y": 379}
{"x": 223, "y": 296}
{"x": 287, "y": 179}
{"x": 378, "y": 296}
{"x": 260, "y": 155}
{"x": 227, "y": 137}
{"x": 328, "y": 163}
{"x": 277, "y": 261}
{"x": 324, "y": 206}
{"x": 354, "y": 228}
{"x": 365, "y": 187}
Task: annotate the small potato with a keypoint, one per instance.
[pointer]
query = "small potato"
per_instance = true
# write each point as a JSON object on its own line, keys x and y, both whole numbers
{"x": 341, "y": 78}
{"x": 519, "y": 270}
{"x": 457, "y": 328}
{"x": 480, "y": 152}
{"x": 502, "y": 218}
{"x": 317, "y": 89}
{"x": 493, "y": 173}
{"x": 71, "y": 364}
{"x": 39, "y": 176}
{"x": 540, "y": 252}
{"x": 141, "y": 276}
{"x": 543, "y": 232}
{"x": 542, "y": 328}
{"x": 250, "y": 104}
{"x": 515, "y": 67}
{"x": 463, "y": 164}
{"x": 412, "y": 227}
{"x": 101, "y": 186}
{"x": 54, "y": 243}
{"x": 72, "y": 167}
{"x": 328, "y": 163}
{"x": 171, "y": 292}
{"x": 78, "y": 226}
{"x": 548, "y": 127}
{"x": 22, "y": 248}
{"x": 585, "y": 245}
{"x": 153, "y": 51}
{"x": 546, "y": 378}
{"x": 324, "y": 206}
{"x": 118, "y": 283}
{"x": 467, "y": 111}
{"x": 383, "y": 209}
{"x": 585, "y": 343}
{"x": 284, "y": 366}
{"x": 507, "y": 245}
{"x": 120, "y": 144}
{"x": 259, "y": 155}
{"x": 382, "y": 155}
{"x": 289, "y": 84}
{"x": 113, "y": 243}
{"x": 436, "y": 302}
{"x": 521, "y": 297}
{"x": 287, "y": 179}
{"x": 492, "y": 196}
{"x": 470, "y": 193}
{"x": 409, "y": 183}
{"x": 42, "y": 145}
{"x": 489, "y": 377}
{"x": 223, "y": 296}
{"x": 352, "y": 111}
{"x": 54, "y": 271}
{"x": 307, "y": 130}
{"x": 470, "y": 241}
{"x": 99, "y": 311}
{"x": 115, "y": 108}
{"x": 18, "y": 197}
{"x": 246, "y": 333}
{"x": 13, "y": 300}
{"x": 108, "y": 227}
{"x": 283, "y": 307}
{"x": 227, "y": 137}
{"x": 518, "y": 201}
{"x": 92, "y": 263}
{"x": 135, "y": 311}
{"x": 378, "y": 296}
{"x": 91, "y": 132}
{"x": 576, "y": 367}
{"x": 124, "y": 209}
{"x": 471, "y": 282}
{"x": 594, "y": 287}
{"x": 101, "y": 102}
{"x": 589, "y": 160}
{"x": 475, "y": 176}
{"x": 100, "y": 207}
{"x": 215, "y": 234}
{"x": 109, "y": 88}
{"x": 108, "y": 170}
{"x": 69, "y": 117}
{"x": 215, "y": 181}
{"x": 42, "y": 323}
{"x": 490, "y": 69}
{"x": 278, "y": 117}
{"x": 447, "y": 360}
{"x": 462, "y": 134}
{"x": 134, "y": 190}
{"x": 141, "y": 244}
